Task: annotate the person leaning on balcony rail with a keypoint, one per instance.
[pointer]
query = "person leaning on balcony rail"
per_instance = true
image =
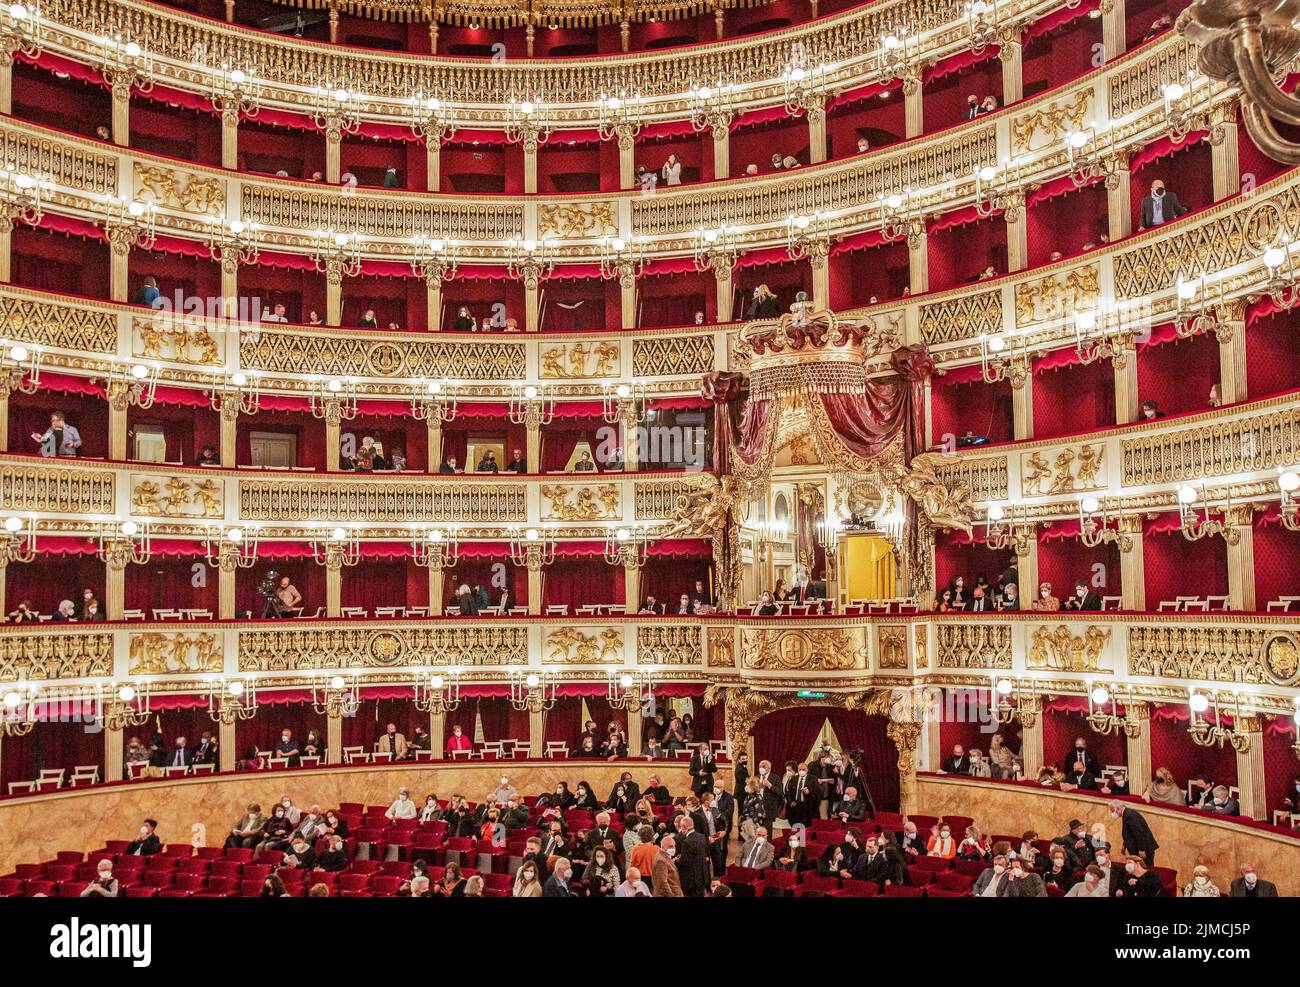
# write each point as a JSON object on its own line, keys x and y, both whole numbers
{"x": 1046, "y": 602}
{"x": 24, "y": 614}
{"x": 60, "y": 439}
{"x": 1160, "y": 206}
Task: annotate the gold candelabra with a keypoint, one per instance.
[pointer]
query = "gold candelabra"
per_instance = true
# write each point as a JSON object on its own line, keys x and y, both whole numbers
{"x": 439, "y": 693}
{"x": 436, "y": 549}
{"x": 231, "y": 548}
{"x": 535, "y": 692}
{"x": 232, "y": 700}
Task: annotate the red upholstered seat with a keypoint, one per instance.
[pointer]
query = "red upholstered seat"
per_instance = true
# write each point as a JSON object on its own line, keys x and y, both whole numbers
{"x": 225, "y": 868}
{"x": 954, "y": 881}
{"x": 935, "y": 893}
{"x": 900, "y": 891}
{"x": 220, "y": 886}
{"x": 852, "y": 888}
{"x": 352, "y": 882}
{"x": 959, "y": 824}
{"x": 70, "y": 856}
{"x": 41, "y": 887}
{"x": 142, "y": 892}
{"x": 209, "y": 852}
{"x": 971, "y": 868}
{"x": 195, "y": 865}
{"x": 384, "y": 884}
{"x": 255, "y": 872}
{"x": 932, "y": 865}
{"x": 365, "y": 866}
{"x": 815, "y": 882}
{"x": 250, "y": 889}
{"x": 11, "y": 886}
{"x": 178, "y": 850}
{"x": 740, "y": 875}
{"x": 242, "y": 854}
{"x": 158, "y": 878}
{"x": 58, "y": 872}
{"x": 924, "y": 823}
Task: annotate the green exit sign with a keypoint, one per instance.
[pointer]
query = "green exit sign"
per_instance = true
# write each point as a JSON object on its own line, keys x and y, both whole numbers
{"x": 809, "y": 694}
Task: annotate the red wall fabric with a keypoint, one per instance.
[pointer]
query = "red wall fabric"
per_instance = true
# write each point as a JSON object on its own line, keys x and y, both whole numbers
{"x": 1281, "y": 770}
{"x": 1186, "y": 172}
{"x": 500, "y": 720}
{"x": 262, "y": 732}
{"x": 52, "y": 745}
{"x": 970, "y": 560}
{"x": 1061, "y": 726}
{"x": 966, "y": 720}
{"x": 1172, "y": 748}
{"x": 977, "y": 407}
{"x": 1272, "y": 355}
{"x": 1179, "y": 373}
{"x": 49, "y": 579}
{"x": 1276, "y": 550}
{"x": 1174, "y": 566}
{"x": 168, "y": 583}
{"x": 576, "y": 582}
{"x": 1074, "y": 398}
{"x": 957, "y": 254}
{"x": 1063, "y": 560}
{"x": 87, "y": 413}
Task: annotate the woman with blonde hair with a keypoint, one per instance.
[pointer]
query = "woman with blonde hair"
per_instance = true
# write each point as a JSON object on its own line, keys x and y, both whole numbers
{"x": 1163, "y": 789}
{"x": 765, "y": 304}
{"x": 1201, "y": 886}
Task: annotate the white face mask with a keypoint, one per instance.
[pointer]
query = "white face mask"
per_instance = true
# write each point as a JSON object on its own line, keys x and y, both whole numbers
{"x": 998, "y": 868}
{"x": 1201, "y": 881}
{"x": 1250, "y": 880}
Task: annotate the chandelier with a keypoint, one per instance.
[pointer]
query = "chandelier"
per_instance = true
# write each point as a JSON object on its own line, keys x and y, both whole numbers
{"x": 620, "y": 116}
{"x": 1008, "y": 528}
{"x": 628, "y": 547}
{"x": 622, "y": 259}
{"x": 1197, "y": 521}
{"x": 531, "y": 405}
{"x": 1000, "y": 190}
{"x": 1281, "y": 285}
{"x": 1288, "y": 482}
{"x": 125, "y": 64}
{"x": 17, "y": 541}
{"x": 436, "y": 549}
{"x": 434, "y": 402}
{"x": 998, "y": 363}
{"x": 231, "y": 548}
{"x": 340, "y": 547}
{"x": 804, "y": 83}
{"x": 533, "y": 691}
{"x": 332, "y": 399}
{"x": 623, "y": 403}
{"x": 21, "y": 30}
{"x": 336, "y": 112}
{"x": 20, "y": 197}
{"x": 439, "y": 693}
{"x": 1211, "y": 731}
{"x": 232, "y": 700}
{"x": 126, "y": 706}
{"x": 807, "y": 236}
{"x": 236, "y": 393}
{"x": 528, "y": 123}
{"x": 18, "y": 710}
{"x": 898, "y": 58}
{"x": 1104, "y": 716}
{"x": 336, "y": 696}
{"x": 1093, "y": 155}
{"x": 1249, "y": 44}
{"x": 715, "y": 249}
{"x": 124, "y": 542}
{"x": 21, "y": 365}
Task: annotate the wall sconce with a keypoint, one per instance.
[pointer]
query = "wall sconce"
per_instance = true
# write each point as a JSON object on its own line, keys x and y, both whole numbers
{"x": 235, "y": 93}
{"x": 20, "y": 196}
{"x": 1025, "y": 708}
{"x": 984, "y": 21}
{"x": 1196, "y": 313}
{"x": 434, "y": 401}
{"x": 126, "y": 706}
{"x": 808, "y": 236}
{"x": 123, "y": 542}
{"x": 899, "y": 219}
{"x": 130, "y": 223}
{"x": 712, "y": 107}
{"x": 1288, "y": 482}
{"x": 431, "y": 118}
{"x": 532, "y": 405}
{"x": 231, "y": 548}
{"x": 1000, "y": 190}
{"x": 125, "y": 65}
{"x": 18, "y": 541}
{"x": 232, "y": 243}
{"x": 137, "y": 382}
{"x": 715, "y": 249}
{"x": 530, "y": 261}
{"x": 1002, "y": 360}
{"x": 235, "y": 699}
{"x": 1210, "y": 731}
{"x": 237, "y": 392}
{"x": 1008, "y": 528}
{"x": 336, "y": 696}
{"x": 805, "y": 83}
{"x": 1281, "y": 285}
{"x": 623, "y": 403}
{"x": 340, "y": 547}
{"x": 622, "y": 259}
{"x": 620, "y": 116}
{"x": 898, "y": 58}
{"x": 22, "y": 30}
{"x": 439, "y": 693}
{"x": 1104, "y": 716}
{"x": 1099, "y": 335}
{"x": 330, "y": 398}
{"x": 628, "y": 547}
{"x": 1195, "y": 527}
{"x": 532, "y": 547}
{"x": 436, "y": 549}
{"x": 17, "y": 710}
{"x": 21, "y": 363}
{"x": 435, "y": 259}
{"x": 1092, "y": 155}
{"x": 1181, "y": 116}
{"x": 629, "y": 690}
{"x": 336, "y": 255}
{"x": 533, "y": 691}
{"x": 528, "y": 123}
{"x": 1100, "y": 522}
{"x": 336, "y": 112}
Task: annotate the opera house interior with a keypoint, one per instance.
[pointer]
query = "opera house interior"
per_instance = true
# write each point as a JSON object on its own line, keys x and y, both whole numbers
{"x": 549, "y": 448}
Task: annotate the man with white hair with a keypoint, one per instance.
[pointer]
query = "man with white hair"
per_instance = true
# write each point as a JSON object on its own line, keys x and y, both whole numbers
{"x": 663, "y": 874}
{"x": 420, "y": 887}
{"x": 632, "y": 886}
{"x": 504, "y": 791}
{"x": 104, "y": 885}
{"x": 1251, "y": 885}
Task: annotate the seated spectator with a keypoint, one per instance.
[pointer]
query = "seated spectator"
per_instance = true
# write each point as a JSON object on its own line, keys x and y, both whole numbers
{"x": 1115, "y": 783}
{"x": 1201, "y": 885}
{"x": 632, "y": 886}
{"x": 1000, "y": 757}
{"x": 1079, "y": 776}
{"x": 488, "y": 463}
{"x": 993, "y": 881}
{"x": 301, "y": 856}
{"x": 368, "y": 320}
{"x": 1093, "y": 885}
{"x": 148, "y": 294}
{"x": 980, "y": 767}
{"x": 104, "y": 885}
{"x": 1059, "y": 873}
{"x": 93, "y": 615}
{"x": 349, "y": 180}
{"x": 751, "y": 170}
{"x": 147, "y": 842}
{"x": 1010, "y": 598}
{"x": 402, "y": 807}
{"x": 1163, "y": 789}
{"x": 958, "y": 763}
{"x": 24, "y": 614}
{"x": 449, "y": 466}
{"x": 518, "y": 463}
{"x": 464, "y": 322}
{"x": 67, "y": 612}
{"x": 1138, "y": 881}
{"x": 863, "y": 145}
{"x": 783, "y": 162}
{"x": 276, "y": 314}
{"x": 458, "y": 741}
{"x": 1250, "y": 885}
{"x": 103, "y": 133}
{"x": 651, "y": 607}
{"x": 390, "y": 178}
{"x": 941, "y": 843}
{"x": 1222, "y": 803}
{"x": 1160, "y": 206}
{"x": 207, "y": 456}
{"x": 1158, "y": 26}
{"x": 584, "y": 463}
{"x": 1046, "y": 602}
{"x": 314, "y": 319}
{"x": 1083, "y": 598}
{"x": 1025, "y": 883}
{"x": 765, "y": 607}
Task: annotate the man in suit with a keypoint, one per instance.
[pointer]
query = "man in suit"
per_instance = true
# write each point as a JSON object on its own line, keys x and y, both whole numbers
{"x": 724, "y": 803}
{"x": 701, "y": 594}
{"x": 557, "y": 885}
{"x": 757, "y": 853}
{"x": 1111, "y": 872}
{"x": 1160, "y": 206}
{"x": 1222, "y": 803}
{"x": 247, "y": 829}
{"x": 958, "y": 764}
{"x": 992, "y": 883}
{"x": 1081, "y": 753}
{"x": 147, "y": 843}
{"x": 804, "y": 590}
{"x": 850, "y": 809}
{"x": 801, "y": 796}
{"x": 392, "y": 742}
{"x": 652, "y": 607}
{"x": 873, "y": 865}
{"x": 206, "y": 751}
{"x": 180, "y": 756}
{"x": 911, "y": 844}
{"x": 694, "y": 864}
{"x": 1083, "y": 598}
{"x": 665, "y": 882}
{"x": 517, "y": 464}
{"x": 1138, "y": 838}
{"x": 448, "y": 466}
{"x": 603, "y": 835}
{"x": 1249, "y": 885}
{"x": 703, "y": 767}
{"x": 712, "y": 825}
{"x": 739, "y": 777}
{"x": 1201, "y": 791}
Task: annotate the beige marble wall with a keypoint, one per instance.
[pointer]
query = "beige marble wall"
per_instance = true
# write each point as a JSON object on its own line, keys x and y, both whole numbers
{"x": 1185, "y": 840}
{"x": 202, "y": 810}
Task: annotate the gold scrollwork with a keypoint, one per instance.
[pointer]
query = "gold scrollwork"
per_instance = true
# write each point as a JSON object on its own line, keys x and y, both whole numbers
{"x": 156, "y": 653}
{"x": 55, "y": 656}
{"x": 1047, "y": 125}
{"x": 574, "y": 360}
{"x": 973, "y": 645}
{"x": 595, "y": 219}
{"x": 570, "y": 646}
{"x": 589, "y": 503}
{"x": 180, "y": 190}
{"x": 803, "y": 649}
{"x": 1055, "y": 296}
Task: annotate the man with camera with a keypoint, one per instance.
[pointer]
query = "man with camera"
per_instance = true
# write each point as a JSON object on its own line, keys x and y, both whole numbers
{"x": 280, "y": 596}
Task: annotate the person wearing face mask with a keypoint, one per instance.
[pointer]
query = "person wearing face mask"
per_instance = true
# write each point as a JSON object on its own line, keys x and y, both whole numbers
{"x": 713, "y": 825}
{"x": 333, "y": 859}
{"x": 402, "y": 807}
{"x": 1110, "y": 871}
{"x": 1201, "y": 885}
{"x": 1291, "y": 801}
{"x": 703, "y": 767}
{"x": 1078, "y": 845}
{"x": 392, "y": 743}
{"x": 1083, "y": 598}
{"x": 276, "y": 830}
{"x": 1139, "y": 841}
{"x": 431, "y": 811}
{"x": 942, "y": 844}
{"x": 632, "y": 886}
{"x": 104, "y": 885}
{"x": 874, "y": 865}
{"x": 850, "y": 808}
{"x": 557, "y": 885}
{"x": 1251, "y": 885}
{"x": 601, "y": 876}
{"x": 180, "y": 756}
{"x": 146, "y": 842}
{"x": 286, "y": 746}
{"x": 1222, "y": 803}
{"x": 1092, "y": 885}
{"x": 665, "y": 882}
{"x": 758, "y": 852}
{"x": 246, "y": 829}
{"x": 527, "y": 884}
{"x": 458, "y": 741}
{"x": 1160, "y": 206}
{"x": 504, "y": 791}
{"x": 1024, "y": 882}
{"x": 1115, "y": 784}
{"x": 514, "y": 814}
{"x": 993, "y": 881}
{"x": 841, "y": 859}
{"x": 910, "y": 842}
{"x": 958, "y": 764}
{"x": 1138, "y": 881}
{"x": 801, "y": 796}
{"x": 1059, "y": 873}
{"x": 1046, "y": 602}
{"x": 1164, "y": 790}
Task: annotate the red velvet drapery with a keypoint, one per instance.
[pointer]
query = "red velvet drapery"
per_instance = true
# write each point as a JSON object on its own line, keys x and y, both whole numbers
{"x": 51, "y": 744}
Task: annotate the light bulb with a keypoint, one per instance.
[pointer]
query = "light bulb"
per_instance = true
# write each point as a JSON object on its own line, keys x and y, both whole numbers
{"x": 436, "y": 681}
{"x": 337, "y": 682}
{"x": 623, "y": 390}
{"x": 1100, "y": 696}
{"x": 237, "y": 77}
{"x": 526, "y": 108}
{"x": 988, "y": 173}
{"x": 1274, "y": 257}
{"x": 129, "y": 528}
{"x": 532, "y": 534}
{"x": 1174, "y": 91}
{"x": 625, "y": 680}
{"x": 13, "y": 524}
{"x": 338, "y": 534}
{"x": 996, "y": 513}
{"x": 1090, "y": 505}
{"x": 1186, "y": 290}
{"x": 532, "y": 680}
{"x": 1078, "y": 139}
{"x": 1290, "y": 482}
{"x": 1004, "y": 687}
{"x": 126, "y": 693}
{"x": 237, "y": 227}
{"x": 1198, "y": 703}
{"x": 997, "y": 344}
{"x": 19, "y": 353}
{"x": 1187, "y": 494}
{"x": 139, "y": 371}
{"x": 12, "y": 699}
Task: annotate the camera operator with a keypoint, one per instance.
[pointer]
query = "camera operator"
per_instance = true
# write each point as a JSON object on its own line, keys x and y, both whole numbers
{"x": 281, "y": 596}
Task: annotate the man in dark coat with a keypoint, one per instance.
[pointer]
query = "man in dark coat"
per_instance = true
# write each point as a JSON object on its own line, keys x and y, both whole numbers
{"x": 694, "y": 864}
{"x": 1137, "y": 835}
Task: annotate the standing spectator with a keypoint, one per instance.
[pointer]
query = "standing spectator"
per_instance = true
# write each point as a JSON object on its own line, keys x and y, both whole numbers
{"x": 1138, "y": 840}
{"x": 60, "y": 439}
{"x": 1160, "y": 206}
{"x": 148, "y": 294}
{"x": 672, "y": 171}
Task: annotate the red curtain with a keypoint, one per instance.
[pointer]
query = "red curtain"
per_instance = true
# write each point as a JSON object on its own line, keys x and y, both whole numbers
{"x": 1280, "y": 767}
{"x": 169, "y": 583}
{"x": 558, "y": 445}
{"x": 500, "y": 720}
{"x": 858, "y": 732}
{"x": 1063, "y": 560}
{"x": 788, "y": 734}
{"x": 959, "y": 253}
{"x": 1276, "y": 550}
{"x": 867, "y": 423}
{"x": 374, "y": 715}
{"x": 1075, "y": 398}
{"x": 48, "y": 580}
{"x": 380, "y": 583}
{"x": 563, "y": 722}
{"x": 87, "y": 413}
{"x": 1178, "y": 373}
{"x": 1272, "y": 354}
{"x": 52, "y": 745}
{"x": 577, "y": 582}
{"x": 974, "y": 406}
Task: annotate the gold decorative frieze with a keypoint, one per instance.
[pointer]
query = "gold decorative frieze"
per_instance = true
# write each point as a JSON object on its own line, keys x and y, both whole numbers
{"x": 803, "y": 649}
{"x": 668, "y": 644}
{"x": 1048, "y": 125}
{"x": 973, "y": 645}
{"x": 985, "y": 478}
{"x": 583, "y": 359}
{"x": 59, "y": 162}
{"x": 57, "y": 490}
{"x": 571, "y": 646}
{"x": 1141, "y": 82}
{"x": 176, "y": 496}
{"x": 164, "y": 654}
{"x": 379, "y": 502}
{"x": 1282, "y": 659}
{"x": 459, "y": 645}
{"x": 721, "y": 646}
{"x": 1209, "y": 653}
{"x": 590, "y": 220}
{"x": 965, "y": 316}
{"x": 175, "y": 189}
{"x": 1214, "y": 448}
{"x": 37, "y": 320}
{"x": 1073, "y": 468}
{"x": 37, "y": 656}
{"x": 177, "y": 339}
{"x": 891, "y": 644}
{"x": 297, "y": 352}
{"x": 1060, "y": 650}
{"x": 590, "y": 502}
{"x": 659, "y": 499}
{"x": 1057, "y": 296}
{"x": 672, "y": 356}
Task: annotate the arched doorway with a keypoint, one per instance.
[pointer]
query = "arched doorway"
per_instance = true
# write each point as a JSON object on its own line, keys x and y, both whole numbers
{"x": 792, "y": 733}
